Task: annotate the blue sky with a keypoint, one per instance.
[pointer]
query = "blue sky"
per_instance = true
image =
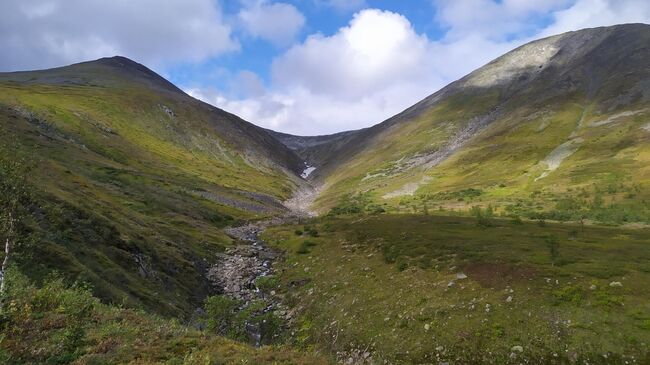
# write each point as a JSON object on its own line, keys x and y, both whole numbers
{"x": 299, "y": 66}
{"x": 257, "y": 54}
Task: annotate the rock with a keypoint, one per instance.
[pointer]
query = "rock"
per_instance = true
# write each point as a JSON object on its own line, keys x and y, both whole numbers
{"x": 517, "y": 348}
{"x": 427, "y": 327}
{"x": 440, "y": 348}
{"x": 461, "y": 276}
{"x": 509, "y": 299}
{"x": 616, "y": 284}
{"x": 593, "y": 287}
{"x": 451, "y": 283}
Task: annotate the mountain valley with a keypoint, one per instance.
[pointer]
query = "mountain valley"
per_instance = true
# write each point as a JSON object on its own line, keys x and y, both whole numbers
{"x": 501, "y": 220}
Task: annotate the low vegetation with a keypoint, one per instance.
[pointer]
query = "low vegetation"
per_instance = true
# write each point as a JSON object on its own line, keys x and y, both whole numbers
{"x": 428, "y": 289}
{"x": 60, "y": 324}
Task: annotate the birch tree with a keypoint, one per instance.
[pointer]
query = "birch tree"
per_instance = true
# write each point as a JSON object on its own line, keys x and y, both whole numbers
{"x": 14, "y": 199}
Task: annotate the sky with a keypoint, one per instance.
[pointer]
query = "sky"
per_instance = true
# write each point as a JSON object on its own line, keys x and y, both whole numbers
{"x": 304, "y": 67}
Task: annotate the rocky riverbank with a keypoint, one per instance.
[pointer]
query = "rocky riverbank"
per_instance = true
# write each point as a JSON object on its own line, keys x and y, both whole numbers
{"x": 239, "y": 271}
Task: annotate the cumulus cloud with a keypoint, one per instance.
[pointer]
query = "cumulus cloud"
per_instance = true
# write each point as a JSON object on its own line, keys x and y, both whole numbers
{"x": 378, "y": 64}
{"x": 370, "y": 69}
{"x": 47, "y": 33}
{"x": 491, "y": 19}
{"x": 595, "y": 13}
{"x": 278, "y": 23}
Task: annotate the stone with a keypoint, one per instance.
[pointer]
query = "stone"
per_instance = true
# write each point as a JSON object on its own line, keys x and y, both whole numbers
{"x": 517, "y": 348}
{"x": 427, "y": 327}
{"x": 450, "y": 284}
{"x": 616, "y": 284}
{"x": 461, "y": 276}
{"x": 593, "y": 287}
{"x": 509, "y": 298}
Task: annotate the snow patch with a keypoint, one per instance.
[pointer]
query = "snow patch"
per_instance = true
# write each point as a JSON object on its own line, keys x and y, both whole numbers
{"x": 306, "y": 172}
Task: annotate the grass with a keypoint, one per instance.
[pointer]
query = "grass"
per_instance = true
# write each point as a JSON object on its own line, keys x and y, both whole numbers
{"x": 394, "y": 284}
{"x": 131, "y": 199}
{"x": 500, "y": 166}
{"x": 59, "y": 324}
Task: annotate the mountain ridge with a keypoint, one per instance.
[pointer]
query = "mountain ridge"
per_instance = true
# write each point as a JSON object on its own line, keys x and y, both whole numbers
{"x": 584, "y": 66}
{"x": 356, "y": 138}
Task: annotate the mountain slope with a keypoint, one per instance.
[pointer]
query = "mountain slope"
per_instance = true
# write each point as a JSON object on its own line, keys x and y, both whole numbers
{"x": 135, "y": 179}
{"x": 525, "y": 132}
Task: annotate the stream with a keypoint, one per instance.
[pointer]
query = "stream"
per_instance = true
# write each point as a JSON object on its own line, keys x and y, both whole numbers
{"x": 236, "y": 271}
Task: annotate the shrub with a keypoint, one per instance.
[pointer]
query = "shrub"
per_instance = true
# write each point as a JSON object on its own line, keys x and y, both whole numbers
{"x": 482, "y": 217}
{"x": 553, "y": 245}
{"x": 220, "y": 312}
{"x": 266, "y": 283}
{"x": 572, "y": 294}
{"x": 402, "y": 265}
{"x": 516, "y": 221}
{"x": 31, "y": 310}
{"x": 305, "y": 247}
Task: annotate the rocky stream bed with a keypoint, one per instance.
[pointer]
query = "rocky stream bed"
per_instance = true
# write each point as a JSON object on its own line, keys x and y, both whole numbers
{"x": 236, "y": 273}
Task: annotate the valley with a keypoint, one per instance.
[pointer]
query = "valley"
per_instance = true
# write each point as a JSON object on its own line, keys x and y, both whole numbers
{"x": 504, "y": 219}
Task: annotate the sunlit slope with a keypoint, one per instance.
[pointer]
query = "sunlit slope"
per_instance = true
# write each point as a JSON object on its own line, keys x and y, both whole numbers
{"x": 136, "y": 178}
{"x": 563, "y": 120}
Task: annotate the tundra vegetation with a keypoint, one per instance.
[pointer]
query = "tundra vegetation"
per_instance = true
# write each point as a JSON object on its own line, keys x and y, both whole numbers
{"x": 502, "y": 220}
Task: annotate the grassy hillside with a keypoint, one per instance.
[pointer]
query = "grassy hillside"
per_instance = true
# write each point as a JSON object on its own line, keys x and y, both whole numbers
{"x": 412, "y": 289}
{"x": 555, "y": 129}
{"x": 58, "y": 324}
{"x": 135, "y": 179}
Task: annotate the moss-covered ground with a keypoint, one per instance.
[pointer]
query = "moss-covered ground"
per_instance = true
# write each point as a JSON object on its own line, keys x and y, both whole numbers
{"x": 417, "y": 289}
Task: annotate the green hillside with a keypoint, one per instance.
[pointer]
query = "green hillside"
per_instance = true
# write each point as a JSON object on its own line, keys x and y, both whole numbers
{"x": 501, "y": 220}
{"x": 134, "y": 179}
{"x": 556, "y": 129}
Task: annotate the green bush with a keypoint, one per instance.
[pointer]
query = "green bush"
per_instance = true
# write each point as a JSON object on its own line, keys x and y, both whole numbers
{"x": 572, "y": 294}
{"x": 483, "y": 216}
{"x": 553, "y": 245}
{"x": 220, "y": 311}
{"x": 267, "y": 283}
{"x": 70, "y": 307}
{"x": 305, "y": 247}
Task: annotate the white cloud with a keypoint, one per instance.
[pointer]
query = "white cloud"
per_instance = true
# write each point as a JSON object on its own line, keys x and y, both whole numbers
{"x": 595, "y": 13}
{"x": 379, "y": 65}
{"x": 278, "y": 23}
{"x": 47, "y": 33}
{"x": 369, "y": 70}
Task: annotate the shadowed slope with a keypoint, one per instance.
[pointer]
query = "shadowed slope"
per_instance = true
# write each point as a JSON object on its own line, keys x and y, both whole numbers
{"x": 135, "y": 179}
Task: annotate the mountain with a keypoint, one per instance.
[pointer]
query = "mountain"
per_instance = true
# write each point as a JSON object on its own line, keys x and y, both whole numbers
{"x": 135, "y": 178}
{"x": 552, "y": 127}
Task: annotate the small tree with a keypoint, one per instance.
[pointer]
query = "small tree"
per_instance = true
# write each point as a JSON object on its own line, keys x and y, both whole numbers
{"x": 553, "y": 245}
{"x": 14, "y": 200}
